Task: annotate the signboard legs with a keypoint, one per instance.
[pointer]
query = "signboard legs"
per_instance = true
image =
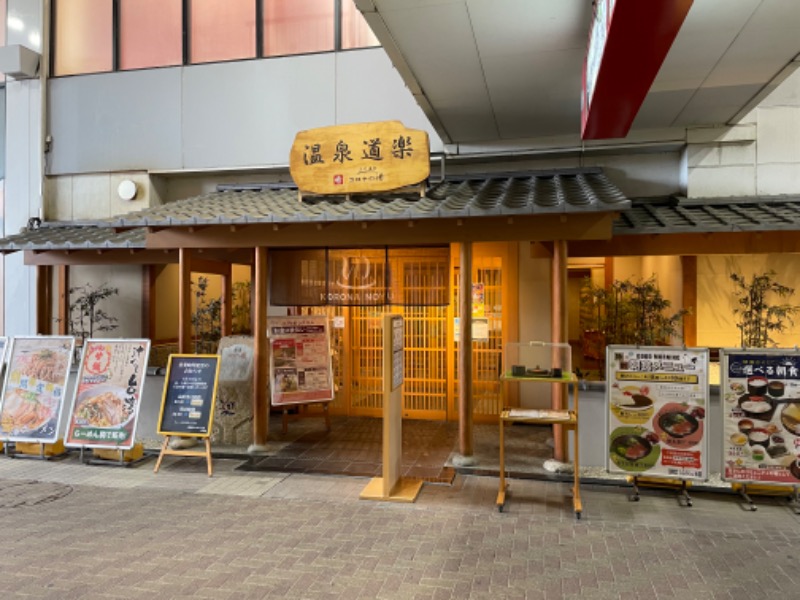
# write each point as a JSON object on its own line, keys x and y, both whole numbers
{"x": 165, "y": 449}
{"x": 391, "y": 487}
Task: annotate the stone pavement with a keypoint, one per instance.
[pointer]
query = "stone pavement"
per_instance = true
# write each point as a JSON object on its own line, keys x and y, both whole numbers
{"x": 77, "y": 531}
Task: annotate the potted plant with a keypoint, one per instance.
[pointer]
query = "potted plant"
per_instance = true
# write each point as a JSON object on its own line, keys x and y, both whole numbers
{"x": 757, "y": 314}
{"x": 86, "y": 317}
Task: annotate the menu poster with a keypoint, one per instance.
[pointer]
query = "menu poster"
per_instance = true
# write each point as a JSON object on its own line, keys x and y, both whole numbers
{"x": 760, "y": 390}
{"x": 35, "y": 383}
{"x": 105, "y": 405}
{"x": 300, "y": 360}
{"x": 656, "y": 419}
{"x": 190, "y": 391}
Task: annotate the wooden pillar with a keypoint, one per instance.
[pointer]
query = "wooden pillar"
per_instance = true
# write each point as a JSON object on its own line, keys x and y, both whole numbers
{"x": 465, "y": 352}
{"x": 44, "y": 299}
{"x": 558, "y": 334}
{"x": 226, "y": 317}
{"x": 63, "y": 300}
{"x": 689, "y": 268}
{"x": 185, "y": 301}
{"x": 261, "y": 352}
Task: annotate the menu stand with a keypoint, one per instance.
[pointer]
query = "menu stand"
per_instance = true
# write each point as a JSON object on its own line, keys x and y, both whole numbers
{"x": 165, "y": 449}
{"x": 115, "y": 457}
{"x": 568, "y": 419}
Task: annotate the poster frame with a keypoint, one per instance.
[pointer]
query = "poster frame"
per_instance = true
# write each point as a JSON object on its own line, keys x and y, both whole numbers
{"x": 138, "y": 394}
{"x": 286, "y": 321}
{"x": 62, "y": 341}
{"x": 703, "y": 381}
{"x": 725, "y": 387}
{"x": 212, "y": 401}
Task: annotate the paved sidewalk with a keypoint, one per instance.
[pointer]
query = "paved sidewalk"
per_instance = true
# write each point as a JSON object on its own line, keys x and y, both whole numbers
{"x": 77, "y": 531}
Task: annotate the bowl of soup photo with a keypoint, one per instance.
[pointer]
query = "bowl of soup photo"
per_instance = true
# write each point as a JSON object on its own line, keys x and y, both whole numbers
{"x": 757, "y": 385}
{"x": 757, "y": 407}
{"x": 759, "y": 436}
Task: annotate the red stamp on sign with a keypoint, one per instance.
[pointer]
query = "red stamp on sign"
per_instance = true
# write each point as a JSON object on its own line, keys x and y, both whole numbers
{"x": 338, "y": 180}
{"x": 98, "y": 359}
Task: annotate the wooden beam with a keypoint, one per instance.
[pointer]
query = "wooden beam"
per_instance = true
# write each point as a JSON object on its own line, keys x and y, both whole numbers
{"x": 185, "y": 302}
{"x": 212, "y": 267}
{"x": 90, "y": 257}
{"x": 261, "y": 351}
{"x": 546, "y": 227}
{"x": 745, "y": 242}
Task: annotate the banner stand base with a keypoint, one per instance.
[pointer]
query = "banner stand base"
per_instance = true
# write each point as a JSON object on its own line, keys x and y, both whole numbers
{"x": 405, "y": 490}
{"x": 768, "y": 490}
{"x": 681, "y": 485}
{"x": 36, "y": 450}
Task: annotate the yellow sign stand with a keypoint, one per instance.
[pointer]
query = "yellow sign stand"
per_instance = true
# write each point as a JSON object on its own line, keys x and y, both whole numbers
{"x": 391, "y": 487}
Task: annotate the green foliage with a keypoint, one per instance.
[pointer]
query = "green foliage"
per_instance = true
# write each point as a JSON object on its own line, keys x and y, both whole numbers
{"x": 206, "y": 319}
{"x": 85, "y": 315}
{"x": 757, "y": 318}
{"x": 207, "y": 316}
{"x": 629, "y": 313}
{"x": 241, "y": 307}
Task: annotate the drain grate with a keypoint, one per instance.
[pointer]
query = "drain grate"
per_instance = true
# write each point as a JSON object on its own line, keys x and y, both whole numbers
{"x": 14, "y": 494}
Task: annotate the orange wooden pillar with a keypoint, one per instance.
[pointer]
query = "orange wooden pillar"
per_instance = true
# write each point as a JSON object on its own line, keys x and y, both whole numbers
{"x": 44, "y": 299}
{"x": 689, "y": 268}
{"x": 465, "y": 421}
{"x": 184, "y": 301}
{"x": 261, "y": 353}
{"x": 558, "y": 334}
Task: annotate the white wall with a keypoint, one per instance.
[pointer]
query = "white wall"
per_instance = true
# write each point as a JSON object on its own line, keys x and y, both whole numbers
{"x": 233, "y": 115}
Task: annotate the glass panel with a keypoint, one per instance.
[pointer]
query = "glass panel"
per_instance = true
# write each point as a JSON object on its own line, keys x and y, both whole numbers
{"x": 150, "y": 34}
{"x": 297, "y": 277}
{"x": 83, "y": 36}
{"x": 355, "y": 31}
{"x": 222, "y": 30}
{"x": 3, "y": 21}
{"x": 298, "y": 26}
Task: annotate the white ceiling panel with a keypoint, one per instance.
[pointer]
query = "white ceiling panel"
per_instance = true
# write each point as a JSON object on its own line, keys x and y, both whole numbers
{"x": 489, "y": 71}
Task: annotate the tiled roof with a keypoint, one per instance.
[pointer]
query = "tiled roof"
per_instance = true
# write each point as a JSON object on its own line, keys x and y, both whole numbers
{"x": 67, "y": 236}
{"x": 708, "y": 215}
{"x": 583, "y": 191}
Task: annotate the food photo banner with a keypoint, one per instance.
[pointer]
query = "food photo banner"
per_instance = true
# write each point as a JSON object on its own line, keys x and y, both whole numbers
{"x": 35, "y": 384}
{"x": 300, "y": 360}
{"x": 105, "y": 405}
{"x": 657, "y": 402}
{"x": 761, "y": 415}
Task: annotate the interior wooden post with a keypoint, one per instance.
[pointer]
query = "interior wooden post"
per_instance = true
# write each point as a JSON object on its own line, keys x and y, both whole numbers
{"x": 689, "y": 268}
{"x": 44, "y": 299}
{"x": 63, "y": 300}
{"x": 261, "y": 352}
{"x": 184, "y": 301}
{"x": 465, "y": 352}
{"x": 558, "y": 334}
{"x": 227, "y": 302}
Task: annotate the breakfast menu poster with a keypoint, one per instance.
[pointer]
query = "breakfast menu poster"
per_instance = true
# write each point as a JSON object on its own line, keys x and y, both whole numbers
{"x": 761, "y": 415}
{"x": 657, "y": 402}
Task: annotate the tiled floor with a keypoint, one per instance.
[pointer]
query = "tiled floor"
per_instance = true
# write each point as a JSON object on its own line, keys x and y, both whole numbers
{"x": 354, "y": 445}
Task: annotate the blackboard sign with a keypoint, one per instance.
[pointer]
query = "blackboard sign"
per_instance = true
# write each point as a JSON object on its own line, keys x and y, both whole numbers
{"x": 190, "y": 391}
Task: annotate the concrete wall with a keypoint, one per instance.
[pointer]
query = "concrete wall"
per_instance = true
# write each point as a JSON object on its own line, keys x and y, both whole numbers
{"x": 234, "y": 115}
{"x": 759, "y": 156}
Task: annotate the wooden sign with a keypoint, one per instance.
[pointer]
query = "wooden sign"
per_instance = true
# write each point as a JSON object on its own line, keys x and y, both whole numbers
{"x": 359, "y": 158}
{"x": 190, "y": 391}
{"x": 187, "y": 406}
{"x": 108, "y": 391}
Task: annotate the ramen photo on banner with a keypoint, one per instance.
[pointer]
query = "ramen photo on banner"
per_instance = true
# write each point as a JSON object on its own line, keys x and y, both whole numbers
{"x": 108, "y": 391}
{"x": 656, "y": 411}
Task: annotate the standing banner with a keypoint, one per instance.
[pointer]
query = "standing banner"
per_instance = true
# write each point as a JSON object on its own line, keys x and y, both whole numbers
{"x": 657, "y": 400}
{"x": 300, "y": 367}
{"x": 190, "y": 393}
{"x": 105, "y": 404}
{"x": 35, "y": 383}
{"x": 761, "y": 415}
